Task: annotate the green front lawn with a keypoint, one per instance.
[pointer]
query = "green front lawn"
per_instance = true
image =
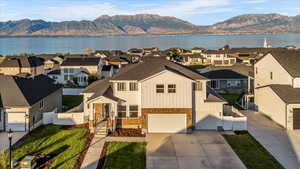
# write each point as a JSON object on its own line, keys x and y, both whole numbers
{"x": 71, "y": 101}
{"x": 253, "y": 155}
{"x": 65, "y": 145}
{"x": 231, "y": 99}
{"x": 125, "y": 155}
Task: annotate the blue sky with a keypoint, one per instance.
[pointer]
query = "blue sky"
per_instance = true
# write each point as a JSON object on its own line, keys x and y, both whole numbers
{"x": 200, "y": 12}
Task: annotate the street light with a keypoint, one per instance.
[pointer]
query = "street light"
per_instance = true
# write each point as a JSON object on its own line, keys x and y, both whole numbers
{"x": 10, "y": 134}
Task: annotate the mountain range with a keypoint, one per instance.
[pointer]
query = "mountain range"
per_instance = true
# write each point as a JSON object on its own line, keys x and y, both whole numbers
{"x": 151, "y": 24}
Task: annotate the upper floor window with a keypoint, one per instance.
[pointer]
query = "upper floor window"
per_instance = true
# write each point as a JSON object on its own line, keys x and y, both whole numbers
{"x": 133, "y": 86}
{"x": 133, "y": 110}
{"x": 160, "y": 88}
{"x": 171, "y": 88}
{"x": 41, "y": 104}
{"x": 198, "y": 86}
{"x": 256, "y": 70}
{"x": 121, "y": 110}
{"x": 271, "y": 75}
{"x": 66, "y": 71}
{"x": 121, "y": 86}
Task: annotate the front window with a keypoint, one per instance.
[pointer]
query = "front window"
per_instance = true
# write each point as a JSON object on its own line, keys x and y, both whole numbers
{"x": 121, "y": 111}
{"x": 133, "y": 86}
{"x": 271, "y": 75}
{"x": 133, "y": 110}
{"x": 198, "y": 86}
{"x": 121, "y": 86}
{"x": 160, "y": 88}
{"x": 214, "y": 84}
{"x": 171, "y": 88}
{"x": 65, "y": 70}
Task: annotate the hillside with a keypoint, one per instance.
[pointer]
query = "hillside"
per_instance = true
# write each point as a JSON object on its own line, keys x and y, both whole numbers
{"x": 150, "y": 24}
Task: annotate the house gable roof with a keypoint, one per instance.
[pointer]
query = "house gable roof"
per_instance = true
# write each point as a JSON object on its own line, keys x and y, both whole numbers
{"x": 286, "y": 93}
{"x": 152, "y": 66}
{"x": 81, "y": 61}
{"x": 18, "y": 91}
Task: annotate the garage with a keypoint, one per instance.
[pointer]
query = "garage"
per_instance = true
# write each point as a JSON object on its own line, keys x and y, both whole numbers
{"x": 167, "y": 123}
{"x": 15, "y": 121}
{"x": 296, "y": 118}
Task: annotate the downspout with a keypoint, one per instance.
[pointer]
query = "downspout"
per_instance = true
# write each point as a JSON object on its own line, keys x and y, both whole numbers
{"x": 286, "y": 116}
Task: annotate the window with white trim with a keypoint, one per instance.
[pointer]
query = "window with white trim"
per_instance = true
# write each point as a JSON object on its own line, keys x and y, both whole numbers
{"x": 121, "y": 86}
{"x": 160, "y": 88}
{"x": 133, "y": 86}
{"x": 121, "y": 111}
{"x": 271, "y": 75}
{"x": 198, "y": 86}
{"x": 133, "y": 111}
{"x": 172, "y": 88}
{"x": 41, "y": 104}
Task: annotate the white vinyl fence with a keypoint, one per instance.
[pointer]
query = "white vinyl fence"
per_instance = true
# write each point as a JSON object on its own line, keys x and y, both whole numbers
{"x": 63, "y": 118}
{"x": 233, "y": 119}
{"x": 72, "y": 91}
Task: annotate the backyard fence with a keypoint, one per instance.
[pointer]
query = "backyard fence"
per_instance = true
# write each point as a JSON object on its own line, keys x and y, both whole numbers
{"x": 72, "y": 91}
{"x": 73, "y": 118}
{"x": 233, "y": 119}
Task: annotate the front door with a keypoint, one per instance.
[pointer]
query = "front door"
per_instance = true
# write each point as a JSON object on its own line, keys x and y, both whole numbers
{"x": 98, "y": 112}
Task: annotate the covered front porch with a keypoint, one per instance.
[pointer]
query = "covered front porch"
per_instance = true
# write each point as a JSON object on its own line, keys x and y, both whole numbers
{"x": 102, "y": 113}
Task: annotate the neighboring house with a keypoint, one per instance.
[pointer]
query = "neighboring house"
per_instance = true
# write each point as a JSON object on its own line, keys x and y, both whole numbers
{"x": 118, "y": 61}
{"x": 51, "y": 64}
{"x": 148, "y": 51}
{"x": 218, "y": 58}
{"x": 193, "y": 59}
{"x": 108, "y": 71}
{"x": 56, "y": 75}
{"x": 197, "y": 50}
{"x": 102, "y": 53}
{"x": 277, "y": 87}
{"x": 155, "y": 95}
{"x": 236, "y": 78}
{"x": 22, "y": 65}
{"x": 26, "y": 99}
{"x": 134, "y": 51}
{"x": 74, "y": 67}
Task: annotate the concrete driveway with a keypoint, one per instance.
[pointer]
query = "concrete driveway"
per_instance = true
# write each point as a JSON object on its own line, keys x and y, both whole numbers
{"x": 200, "y": 150}
{"x": 4, "y": 144}
{"x": 282, "y": 144}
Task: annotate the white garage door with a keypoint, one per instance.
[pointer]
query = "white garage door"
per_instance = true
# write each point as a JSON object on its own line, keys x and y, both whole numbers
{"x": 15, "y": 121}
{"x": 166, "y": 123}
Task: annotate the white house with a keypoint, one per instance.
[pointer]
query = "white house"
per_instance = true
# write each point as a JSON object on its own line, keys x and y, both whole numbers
{"x": 79, "y": 68}
{"x": 277, "y": 87}
{"x": 218, "y": 57}
{"x": 155, "y": 95}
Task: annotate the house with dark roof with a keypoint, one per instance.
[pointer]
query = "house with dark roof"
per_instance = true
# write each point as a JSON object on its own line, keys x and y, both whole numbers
{"x": 26, "y": 99}
{"x": 233, "y": 79}
{"x": 19, "y": 65}
{"x": 155, "y": 95}
{"x": 277, "y": 87}
{"x": 80, "y": 68}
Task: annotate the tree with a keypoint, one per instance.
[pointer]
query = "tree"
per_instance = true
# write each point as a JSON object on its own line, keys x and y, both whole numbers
{"x": 92, "y": 78}
{"x": 226, "y": 47}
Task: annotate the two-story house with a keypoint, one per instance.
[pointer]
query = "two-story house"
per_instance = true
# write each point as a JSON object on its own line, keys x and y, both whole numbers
{"x": 155, "y": 95}
{"x": 277, "y": 87}
{"x": 31, "y": 65}
{"x": 79, "y": 69}
{"x": 26, "y": 99}
{"x": 218, "y": 57}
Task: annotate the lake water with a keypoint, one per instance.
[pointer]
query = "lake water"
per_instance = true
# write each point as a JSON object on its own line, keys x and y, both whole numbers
{"x": 40, "y": 45}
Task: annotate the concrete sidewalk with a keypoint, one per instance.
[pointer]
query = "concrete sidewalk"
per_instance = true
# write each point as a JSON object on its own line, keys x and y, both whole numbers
{"x": 92, "y": 156}
{"x": 282, "y": 144}
{"x": 4, "y": 143}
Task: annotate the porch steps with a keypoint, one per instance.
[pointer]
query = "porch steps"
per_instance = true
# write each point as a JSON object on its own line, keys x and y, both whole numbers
{"x": 101, "y": 130}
